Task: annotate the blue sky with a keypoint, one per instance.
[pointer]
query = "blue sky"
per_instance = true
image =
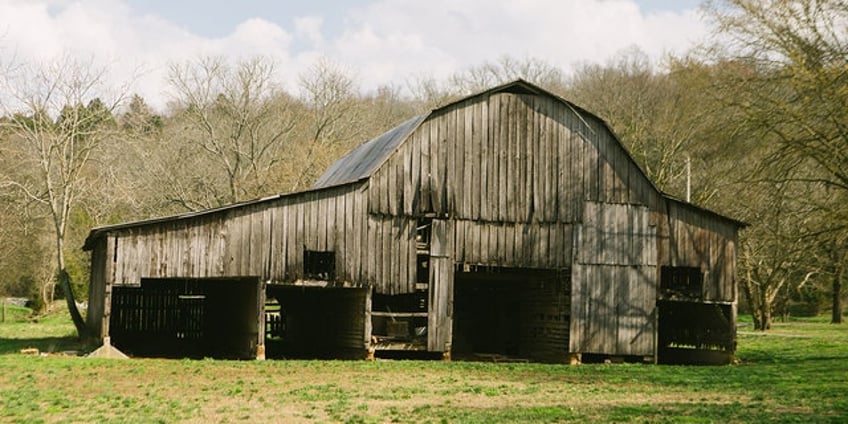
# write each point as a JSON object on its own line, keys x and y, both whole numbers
{"x": 379, "y": 42}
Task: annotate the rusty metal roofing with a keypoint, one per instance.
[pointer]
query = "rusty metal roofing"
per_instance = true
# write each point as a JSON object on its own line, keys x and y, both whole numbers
{"x": 362, "y": 161}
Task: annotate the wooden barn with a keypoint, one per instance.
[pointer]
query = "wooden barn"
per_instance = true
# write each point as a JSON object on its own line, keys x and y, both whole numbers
{"x": 508, "y": 224}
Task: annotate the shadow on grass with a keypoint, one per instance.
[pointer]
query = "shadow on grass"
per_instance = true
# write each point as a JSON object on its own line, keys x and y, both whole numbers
{"x": 43, "y": 344}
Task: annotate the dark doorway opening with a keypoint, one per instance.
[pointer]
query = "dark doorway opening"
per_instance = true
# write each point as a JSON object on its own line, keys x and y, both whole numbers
{"x": 509, "y": 313}
{"x": 695, "y": 333}
{"x": 196, "y": 318}
{"x": 315, "y": 322}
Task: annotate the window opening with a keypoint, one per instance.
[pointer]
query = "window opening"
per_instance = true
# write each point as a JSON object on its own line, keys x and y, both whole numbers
{"x": 682, "y": 280}
{"x": 319, "y": 265}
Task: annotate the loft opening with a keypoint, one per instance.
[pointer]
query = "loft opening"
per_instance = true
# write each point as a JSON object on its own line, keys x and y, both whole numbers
{"x": 319, "y": 265}
{"x": 682, "y": 281}
{"x": 511, "y": 314}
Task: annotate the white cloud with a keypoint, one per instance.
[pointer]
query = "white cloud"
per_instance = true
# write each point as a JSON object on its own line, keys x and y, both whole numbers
{"x": 387, "y": 41}
{"x": 309, "y": 28}
{"x": 391, "y": 38}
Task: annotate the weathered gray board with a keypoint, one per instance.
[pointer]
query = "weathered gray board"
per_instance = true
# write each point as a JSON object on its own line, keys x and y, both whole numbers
{"x": 614, "y": 281}
{"x": 440, "y": 315}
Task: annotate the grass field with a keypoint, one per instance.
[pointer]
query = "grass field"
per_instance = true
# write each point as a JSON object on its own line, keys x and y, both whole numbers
{"x": 797, "y": 372}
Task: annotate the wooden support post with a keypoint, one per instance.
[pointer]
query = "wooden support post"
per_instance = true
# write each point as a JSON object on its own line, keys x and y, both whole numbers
{"x": 575, "y": 359}
{"x": 260, "y": 320}
{"x": 368, "y": 339}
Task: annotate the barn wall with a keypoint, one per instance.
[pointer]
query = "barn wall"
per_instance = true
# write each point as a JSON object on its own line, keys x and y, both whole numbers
{"x": 97, "y": 288}
{"x": 614, "y": 281}
{"x": 688, "y": 237}
{"x": 514, "y": 245}
{"x": 508, "y": 158}
{"x": 268, "y": 239}
{"x": 264, "y": 239}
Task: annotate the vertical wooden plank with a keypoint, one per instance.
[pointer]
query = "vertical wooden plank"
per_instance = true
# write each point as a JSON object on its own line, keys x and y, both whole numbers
{"x": 390, "y": 254}
{"x": 435, "y": 165}
{"x": 340, "y": 232}
{"x": 505, "y": 186}
{"x": 523, "y": 159}
{"x": 551, "y": 186}
{"x": 345, "y": 235}
{"x": 360, "y": 225}
{"x": 486, "y": 177}
{"x": 540, "y": 172}
{"x": 415, "y": 172}
{"x": 450, "y": 176}
{"x": 459, "y": 241}
{"x": 301, "y": 233}
{"x": 392, "y": 189}
{"x": 440, "y": 313}
{"x": 565, "y": 193}
{"x": 456, "y": 182}
{"x": 368, "y": 254}
{"x": 477, "y": 180}
{"x": 426, "y": 169}
{"x": 468, "y": 160}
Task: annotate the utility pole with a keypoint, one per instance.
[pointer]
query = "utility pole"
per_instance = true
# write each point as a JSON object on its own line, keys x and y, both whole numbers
{"x": 688, "y": 179}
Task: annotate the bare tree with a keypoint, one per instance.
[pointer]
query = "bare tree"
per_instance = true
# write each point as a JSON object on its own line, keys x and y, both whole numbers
{"x": 235, "y": 120}
{"x": 332, "y": 114}
{"x": 792, "y": 88}
{"x": 506, "y": 69}
{"x": 60, "y": 123}
{"x": 654, "y": 113}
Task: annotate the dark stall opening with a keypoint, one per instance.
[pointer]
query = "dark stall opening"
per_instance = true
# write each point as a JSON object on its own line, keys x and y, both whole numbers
{"x": 315, "y": 322}
{"x": 196, "y": 318}
{"x": 695, "y": 333}
{"x": 505, "y": 314}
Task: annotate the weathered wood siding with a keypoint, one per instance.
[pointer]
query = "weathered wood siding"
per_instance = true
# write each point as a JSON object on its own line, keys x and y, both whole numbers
{"x": 440, "y": 302}
{"x": 614, "y": 281}
{"x": 538, "y": 245}
{"x": 267, "y": 240}
{"x": 508, "y": 158}
{"x": 690, "y": 237}
{"x": 97, "y": 288}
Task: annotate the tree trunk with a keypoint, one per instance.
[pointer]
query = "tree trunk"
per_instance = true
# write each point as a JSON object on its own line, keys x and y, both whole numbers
{"x": 836, "y": 311}
{"x": 765, "y": 318}
{"x": 65, "y": 283}
{"x": 76, "y": 317}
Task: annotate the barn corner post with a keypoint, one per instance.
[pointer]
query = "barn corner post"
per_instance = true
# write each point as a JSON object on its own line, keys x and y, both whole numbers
{"x": 367, "y": 339}
{"x": 260, "y": 320}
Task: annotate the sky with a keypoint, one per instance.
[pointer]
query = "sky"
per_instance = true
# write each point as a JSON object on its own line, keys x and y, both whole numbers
{"x": 379, "y": 42}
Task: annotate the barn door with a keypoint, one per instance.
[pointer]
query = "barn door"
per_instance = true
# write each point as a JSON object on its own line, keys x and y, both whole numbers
{"x": 440, "y": 313}
{"x": 613, "y": 291}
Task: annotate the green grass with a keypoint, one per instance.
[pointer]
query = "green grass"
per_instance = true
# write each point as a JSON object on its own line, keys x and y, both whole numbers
{"x": 798, "y": 372}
